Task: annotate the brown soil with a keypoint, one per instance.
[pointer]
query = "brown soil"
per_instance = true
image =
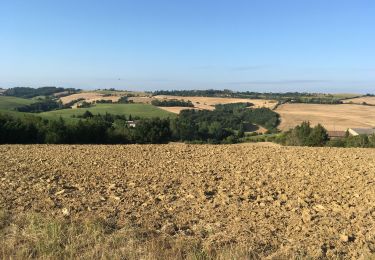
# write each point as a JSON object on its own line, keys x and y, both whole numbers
{"x": 314, "y": 202}
{"x": 333, "y": 117}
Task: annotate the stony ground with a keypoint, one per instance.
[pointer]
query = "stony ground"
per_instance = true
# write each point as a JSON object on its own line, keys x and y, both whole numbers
{"x": 277, "y": 200}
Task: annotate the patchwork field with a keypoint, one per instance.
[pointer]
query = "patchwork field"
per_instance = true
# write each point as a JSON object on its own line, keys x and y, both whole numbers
{"x": 333, "y": 117}
{"x": 140, "y": 110}
{"x": 230, "y": 201}
{"x": 210, "y": 102}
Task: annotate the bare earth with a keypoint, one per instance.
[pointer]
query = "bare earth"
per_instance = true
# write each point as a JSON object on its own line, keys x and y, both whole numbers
{"x": 317, "y": 202}
{"x": 360, "y": 100}
{"x": 333, "y": 117}
{"x": 210, "y": 102}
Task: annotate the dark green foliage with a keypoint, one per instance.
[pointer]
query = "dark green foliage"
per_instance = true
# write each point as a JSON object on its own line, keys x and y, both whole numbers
{"x": 104, "y": 101}
{"x": 217, "y": 125}
{"x": 27, "y": 130}
{"x": 94, "y": 129}
{"x": 25, "y": 92}
{"x": 87, "y": 114}
{"x": 233, "y": 106}
{"x": 172, "y": 103}
{"x": 318, "y": 136}
{"x": 124, "y": 100}
{"x": 153, "y": 130}
{"x": 315, "y": 100}
{"x": 41, "y": 106}
{"x": 224, "y": 125}
{"x": 304, "y": 135}
{"x": 362, "y": 141}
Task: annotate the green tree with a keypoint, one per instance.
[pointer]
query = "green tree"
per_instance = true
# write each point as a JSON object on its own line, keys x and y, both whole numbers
{"x": 318, "y": 136}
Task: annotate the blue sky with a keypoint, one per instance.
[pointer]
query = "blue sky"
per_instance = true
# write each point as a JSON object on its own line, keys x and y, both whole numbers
{"x": 255, "y": 45}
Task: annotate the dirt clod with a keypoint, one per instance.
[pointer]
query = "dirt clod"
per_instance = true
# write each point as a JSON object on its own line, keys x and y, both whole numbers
{"x": 279, "y": 201}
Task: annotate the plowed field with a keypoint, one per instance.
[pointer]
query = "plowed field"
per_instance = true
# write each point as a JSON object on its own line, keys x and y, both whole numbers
{"x": 278, "y": 201}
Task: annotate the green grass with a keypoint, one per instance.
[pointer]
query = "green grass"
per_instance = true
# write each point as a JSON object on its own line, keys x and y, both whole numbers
{"x": 9, "y": 103}
{"x": 140, "y": 110}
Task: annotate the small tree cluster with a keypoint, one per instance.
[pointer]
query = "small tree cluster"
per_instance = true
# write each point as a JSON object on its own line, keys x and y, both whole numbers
{"x": 305, "y": 135}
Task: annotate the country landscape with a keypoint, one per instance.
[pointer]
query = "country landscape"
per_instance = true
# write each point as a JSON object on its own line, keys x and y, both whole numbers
{"x": 255, "y": 199}
{"x": 187, "y": 130}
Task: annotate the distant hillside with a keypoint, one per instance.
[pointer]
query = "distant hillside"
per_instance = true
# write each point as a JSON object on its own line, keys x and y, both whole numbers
{"x": 9, "y": 103}
{"x": 26, "y": 92}
{"x": 283, "y": 97}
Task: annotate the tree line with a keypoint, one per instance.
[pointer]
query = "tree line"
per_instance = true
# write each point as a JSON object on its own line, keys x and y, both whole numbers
{"x": 98, "y": 129}
{"x": 305, "y": 135}
{"x": 171, "y": 103}
{"x": 26, "y": 92}
{"x": 222, "y": 125}
{"x": 294, "y": 97}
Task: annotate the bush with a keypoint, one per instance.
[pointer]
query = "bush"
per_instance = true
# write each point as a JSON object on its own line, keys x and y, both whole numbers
{"x": 41, "y": 106}
{"x": 304, "y": 135}
{"x": 171, "y": 103}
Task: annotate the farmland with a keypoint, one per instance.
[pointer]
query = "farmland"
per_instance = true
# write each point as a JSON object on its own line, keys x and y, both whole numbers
{"x": 8, "y": 103}
{"x": 88, "y": 97}
{"x": 254, "y": 201}
{"x": 360, "y": 100}
{"x": 210, "y": 102}
{"x": 139, "y": 110}
{"x": 333, "y": 117}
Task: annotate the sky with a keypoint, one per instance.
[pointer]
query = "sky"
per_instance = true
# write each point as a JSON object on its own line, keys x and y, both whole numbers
{"x": 243, "y": 45}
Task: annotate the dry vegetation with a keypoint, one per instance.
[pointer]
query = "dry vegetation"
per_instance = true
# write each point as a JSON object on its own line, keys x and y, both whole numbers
{"x": 210, "y": 102}
{"x": 186, "y": 201}
{"x": 89, "y": 97}
{"x": 360, "y": 100}
{"x": 176, "y": 110}
{"x": 333, "y": 117}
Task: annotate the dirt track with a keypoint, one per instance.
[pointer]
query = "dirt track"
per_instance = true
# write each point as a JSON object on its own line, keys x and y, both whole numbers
{"x": 278, "y": 200}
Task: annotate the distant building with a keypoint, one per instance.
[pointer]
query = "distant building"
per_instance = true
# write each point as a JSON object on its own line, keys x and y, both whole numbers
{"x": 131, "y": 123}
{"x": 336, "y": 134}
{"x": 361, "y": 131}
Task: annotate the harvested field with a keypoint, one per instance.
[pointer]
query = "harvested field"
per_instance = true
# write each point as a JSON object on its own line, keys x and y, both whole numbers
{"x": 175, "y": 110}
{"x": 361, "y": 100}
{"x": 146, "y": 100}
{"x": 210, "y": 102}
{"x": 89, "y": 97}
{"x": 333, "y": 117}
{"x": 278, "y": 202}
